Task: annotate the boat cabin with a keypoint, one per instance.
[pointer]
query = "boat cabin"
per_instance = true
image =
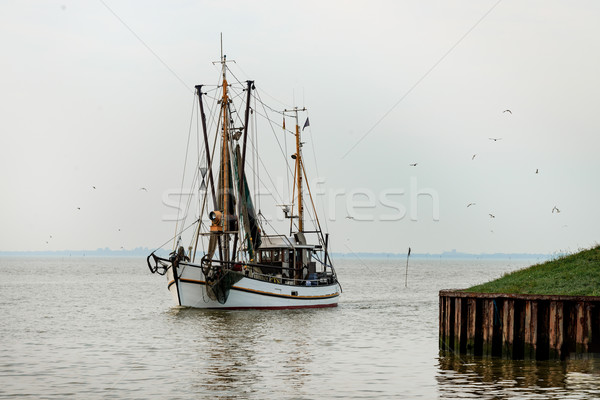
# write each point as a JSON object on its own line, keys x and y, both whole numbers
{"x": 286, "y": 260}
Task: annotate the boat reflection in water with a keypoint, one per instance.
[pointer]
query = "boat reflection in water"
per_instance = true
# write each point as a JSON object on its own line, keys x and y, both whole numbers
{"x": 227, "y": 355}
{"x": 495, "y": 378}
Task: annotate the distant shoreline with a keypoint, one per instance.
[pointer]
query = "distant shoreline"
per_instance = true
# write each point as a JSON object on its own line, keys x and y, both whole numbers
{"x": 144, "y": 252}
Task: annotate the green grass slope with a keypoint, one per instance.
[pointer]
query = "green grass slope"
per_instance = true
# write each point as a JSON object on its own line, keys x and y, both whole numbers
{"x": 573, "y": 275}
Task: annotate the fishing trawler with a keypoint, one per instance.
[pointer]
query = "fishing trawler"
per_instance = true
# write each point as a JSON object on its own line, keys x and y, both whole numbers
{"x": 234, "y": 258}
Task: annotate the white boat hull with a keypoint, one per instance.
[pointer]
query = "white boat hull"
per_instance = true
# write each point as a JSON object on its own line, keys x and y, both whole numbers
{"x": 189, "y": 290}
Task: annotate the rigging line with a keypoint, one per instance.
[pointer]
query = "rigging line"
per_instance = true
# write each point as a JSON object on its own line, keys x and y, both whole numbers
{"x": 272, "y": 183}
{"x": 375, "y": 274}
{"x": 422, "y": 78}
{"x": 210, "y": 97}
{"x": 232, "y": 74}
{"x": 200, "y": 222}
{"x": 200, "y": 150}
{"x": 277, "y": 100}
{"x": 293, "y": 201}
{"x": 312, "y": 143}
{"x": 316, "y": 217}
{"x": 175, "y": 237}
{"x": 286, "y": 152}
{"x": 265, "y": 116}
{"x": 195, "y": 181}
{"x": 279, "y": 143}
{"x": 145, "y": 45}
{"x": 211, "y": 111}
{"x": 254, "y": 156}
{"x": 184, "y": 164}
{"x": 275, "y": 231}
{"x": 269, "y": 107}
{"x": 265, "y": 105}
{"x": 189, "y": 200}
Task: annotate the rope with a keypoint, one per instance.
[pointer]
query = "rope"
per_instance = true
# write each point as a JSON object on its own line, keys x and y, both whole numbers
{"x": 173, "y": 238}
{"x": 312, "y": 143}
{"x": 184, "y": 164}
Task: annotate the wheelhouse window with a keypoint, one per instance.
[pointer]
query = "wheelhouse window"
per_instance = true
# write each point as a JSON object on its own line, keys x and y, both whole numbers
{"x": 271, "y": 256}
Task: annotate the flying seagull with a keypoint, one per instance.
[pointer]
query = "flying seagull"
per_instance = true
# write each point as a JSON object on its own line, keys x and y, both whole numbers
{"x": 94, "y": 187}
{"x": 508, "y": 111}
{"x": 79, "y": 208}
{"x": 492, "y": 216}
{"x": 472, "y": 158}
{"x": 349, "y": 217}
{"x": 495, "y": 139}
{"x": 537, "y": 170}
{"x": 555, "y": 209}
{"x": 470, "y": 204}
{"x": 413, "y": 165}
{"x": 144, "y": 189}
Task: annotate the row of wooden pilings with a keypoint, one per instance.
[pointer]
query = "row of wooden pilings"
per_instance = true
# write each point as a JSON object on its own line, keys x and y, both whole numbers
{"x": 515, "y": 326}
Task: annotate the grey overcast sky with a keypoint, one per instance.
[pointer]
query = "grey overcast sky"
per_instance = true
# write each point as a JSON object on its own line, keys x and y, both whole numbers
{"x": 86, "y": 101}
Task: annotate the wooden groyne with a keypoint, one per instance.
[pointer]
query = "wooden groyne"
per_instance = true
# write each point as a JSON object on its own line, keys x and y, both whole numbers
{"x": 519, "y": 326}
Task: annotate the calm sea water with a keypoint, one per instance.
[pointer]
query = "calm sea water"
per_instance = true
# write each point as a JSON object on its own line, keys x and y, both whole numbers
{"x": 106, "y": 328}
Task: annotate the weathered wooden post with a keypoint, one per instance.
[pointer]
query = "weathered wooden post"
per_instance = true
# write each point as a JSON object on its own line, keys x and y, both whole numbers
{"x": 531, "y": 330}
{"x": 555, "y": 329}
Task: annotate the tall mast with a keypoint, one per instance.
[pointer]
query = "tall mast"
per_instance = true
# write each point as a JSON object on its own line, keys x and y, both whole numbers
{"x": 299, "y": 177}
{"x": 298, "y": 157}
{"x": 209, "y": 166}
{"x": 225, "y": 158}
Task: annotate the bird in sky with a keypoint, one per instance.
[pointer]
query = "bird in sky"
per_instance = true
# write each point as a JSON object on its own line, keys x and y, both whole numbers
{"x": 508, "y": 111}
{"x": 413, "y": 165}
{"x": 492, "y": 216}
{"x": 79, "y": 208}
{"x": 94, "y": 187}
{"x": 537, "y": 170}
{"x": 472, "y": 158}
{"x": 495, "y": 139}
{"x": 349, "y": 217}
{"x": 555, "y": 209}
{"x": 470, "y": 204}
{"x": 144, "y": 189}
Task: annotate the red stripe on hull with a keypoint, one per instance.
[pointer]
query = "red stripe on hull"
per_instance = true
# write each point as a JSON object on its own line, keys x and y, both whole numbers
{"x": 275, "y": 308}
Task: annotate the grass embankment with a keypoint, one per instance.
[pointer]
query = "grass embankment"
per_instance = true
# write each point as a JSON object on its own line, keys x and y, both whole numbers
{"x": 573, "y": 275}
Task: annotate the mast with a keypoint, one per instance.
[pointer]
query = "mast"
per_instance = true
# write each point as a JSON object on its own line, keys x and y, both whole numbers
{"x": 208, "y": 163}
{"x": 299, "y": 177}
{"x": 298, "y": 169}
{"x": 225, "y": 160}
{"x": 241, "y": 166}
